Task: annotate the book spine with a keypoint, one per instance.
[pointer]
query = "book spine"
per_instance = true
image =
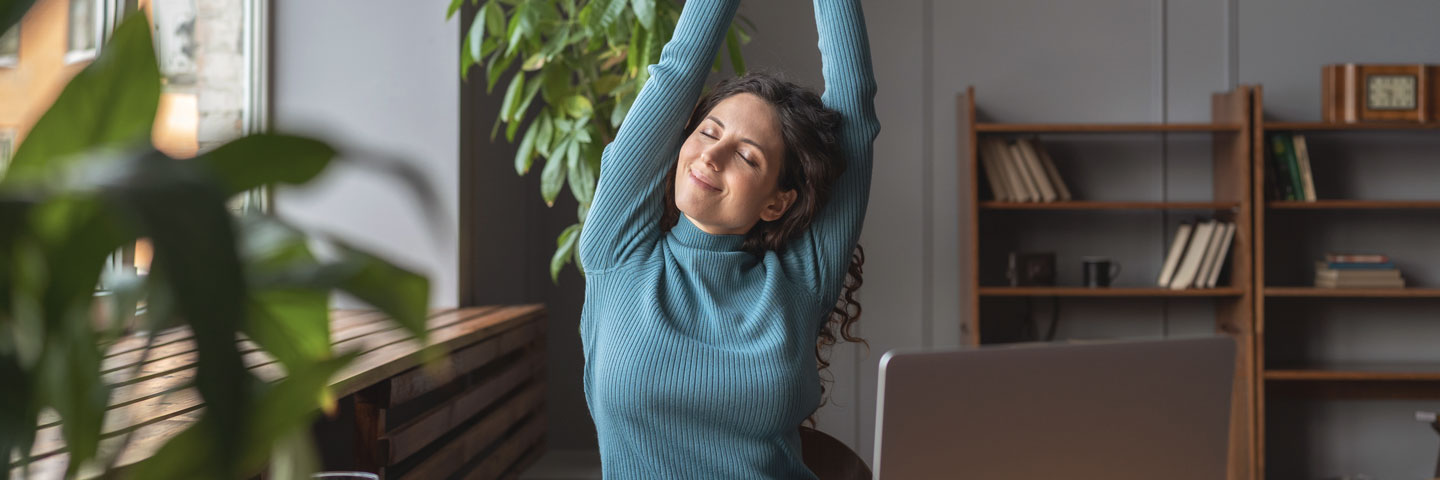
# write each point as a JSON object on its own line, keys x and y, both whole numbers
{"x": 1296, "y": 182}
{"x": 1277, "y": 157}
{"x": 1359, "y": 266}
{"x": 1356, "y": 258}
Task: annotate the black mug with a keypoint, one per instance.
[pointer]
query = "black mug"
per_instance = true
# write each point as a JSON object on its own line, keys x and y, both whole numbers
{"x": 1099, "y": 271}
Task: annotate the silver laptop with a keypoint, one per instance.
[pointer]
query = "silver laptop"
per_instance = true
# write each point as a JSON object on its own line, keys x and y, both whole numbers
{"x": 1141, "y": 410}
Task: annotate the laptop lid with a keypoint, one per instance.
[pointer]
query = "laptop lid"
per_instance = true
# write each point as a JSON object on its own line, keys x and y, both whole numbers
{"x": 1121, "y": 410}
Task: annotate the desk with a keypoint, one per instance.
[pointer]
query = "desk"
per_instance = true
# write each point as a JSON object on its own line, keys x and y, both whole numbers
{"x": 486, "y": 403}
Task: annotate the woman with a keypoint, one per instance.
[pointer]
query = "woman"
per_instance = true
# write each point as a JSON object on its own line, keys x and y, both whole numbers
{"x": 707, "y": 288}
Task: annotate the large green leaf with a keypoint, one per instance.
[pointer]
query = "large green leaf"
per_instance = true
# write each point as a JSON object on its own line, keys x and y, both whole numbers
{"x": 645, "y": 12}
{"x": 182, "y": 210}
{"x": 494, "y": 19}
{"x": 522, "y": 21}
{"x": 564, "y": 246}
{"x": 553, "y": 176}
{"x": 265, "y": 158}
{"x": 581, "y": 175}
{"x": 613, "y": 11}
{"x": 288, "y": 309}
{"x": 400, "y": 293}
{"x": 111, "y": 102}
{"x": 70, "y": 382}
{"x": 526, "y": 153}
{"x": 467, "y": 60}
{"x": 512, "y": 97}
{"x": 476, "y": 36}
{"x": 546, "y": 135}
{"x": 530, "y": 90}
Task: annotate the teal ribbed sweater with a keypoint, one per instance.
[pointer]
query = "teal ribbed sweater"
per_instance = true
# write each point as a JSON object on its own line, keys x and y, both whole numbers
{"x": 699, "y": 357}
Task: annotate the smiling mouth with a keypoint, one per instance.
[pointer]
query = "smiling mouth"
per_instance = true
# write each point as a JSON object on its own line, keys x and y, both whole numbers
{"x": 702, "y": 183}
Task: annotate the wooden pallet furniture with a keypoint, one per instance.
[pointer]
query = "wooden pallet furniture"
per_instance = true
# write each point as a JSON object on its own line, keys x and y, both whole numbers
{"x": 479, "y": 413}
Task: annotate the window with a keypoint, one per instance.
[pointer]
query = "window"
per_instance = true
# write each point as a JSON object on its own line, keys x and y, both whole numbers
{"x": 7, "y": 148}
{"x": 83, "y": 30}
{"x": 10, "y": 47}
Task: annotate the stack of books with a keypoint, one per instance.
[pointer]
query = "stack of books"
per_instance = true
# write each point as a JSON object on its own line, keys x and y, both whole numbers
{"x": 1021, "y": 171}
{"x": 1197, "y": 254}
{"x": 1339, "y": 270}
{"x": 1288, "y": 169}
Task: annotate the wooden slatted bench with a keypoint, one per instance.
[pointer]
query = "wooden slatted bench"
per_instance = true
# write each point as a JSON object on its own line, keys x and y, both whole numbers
{"x": 478, "y": 414}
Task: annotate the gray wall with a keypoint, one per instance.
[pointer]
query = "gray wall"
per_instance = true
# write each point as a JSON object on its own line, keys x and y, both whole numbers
{"x": 377, "y": 79}
{"x": 1128, "y": 61}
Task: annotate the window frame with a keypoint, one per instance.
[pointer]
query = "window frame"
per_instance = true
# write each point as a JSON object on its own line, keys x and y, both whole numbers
{"x": 11, "y": 60}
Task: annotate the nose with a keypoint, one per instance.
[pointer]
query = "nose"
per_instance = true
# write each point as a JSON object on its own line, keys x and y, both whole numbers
{"x": 714, "y": 155}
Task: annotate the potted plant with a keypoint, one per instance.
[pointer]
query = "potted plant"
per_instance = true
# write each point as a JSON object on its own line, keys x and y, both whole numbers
{"x": 585, "y": 61}
{"x": 85, "y": 182}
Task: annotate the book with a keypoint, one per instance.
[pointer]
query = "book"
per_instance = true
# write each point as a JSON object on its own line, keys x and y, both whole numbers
{"x": 1398, "y": 282}
{"x": 1020, "y": 186}
{"x": 1212, "y": 252}
{"x": 1048, "y": 190}
{"x": 1061, "y": 190}
{"x": 1194, "y": 253}
{"x": 1356, "y": 258}
{"x": 1222, "y": 255}
{"x": 1302, "y": 156}
{"x": 1177, "y": 249}
{"x": 1355, "y": 274}
{"x": 999, "y": 185}
{"x": 1296, "y": 184}
{"x": 1043, "y": 191}
{"x": 1357, "y": 266}
{"x": 1278, "y": 151}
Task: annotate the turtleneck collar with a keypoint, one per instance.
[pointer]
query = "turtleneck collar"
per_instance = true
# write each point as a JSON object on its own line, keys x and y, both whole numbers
{"x": 690, "y": 235}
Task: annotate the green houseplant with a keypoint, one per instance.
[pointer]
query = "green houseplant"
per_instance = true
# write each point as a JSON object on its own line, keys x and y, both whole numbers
{"x": 85, "y": 182}
{"x": 585, "y": 60}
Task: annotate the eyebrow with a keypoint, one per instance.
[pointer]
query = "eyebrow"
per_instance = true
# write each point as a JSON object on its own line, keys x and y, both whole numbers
{"x": 744, "y": 140}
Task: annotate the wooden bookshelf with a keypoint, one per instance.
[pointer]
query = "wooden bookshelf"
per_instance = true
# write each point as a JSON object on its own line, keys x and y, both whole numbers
{"x": 1311, "y": 292}
{"x": 1230, "y": 131}
{"x": 1322, "y": 380}
{"x": 1108, "y": 292}
{"x": 1385, "y": 372}
{"x": 1354, "y": 205}
{"x": 1083, "y": 205}
{"x": 1343, "y": 127}
{"x": 1107, "y": 127}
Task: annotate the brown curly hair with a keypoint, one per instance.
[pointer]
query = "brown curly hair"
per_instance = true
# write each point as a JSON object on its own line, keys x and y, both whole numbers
{"x": 812, "y": 164}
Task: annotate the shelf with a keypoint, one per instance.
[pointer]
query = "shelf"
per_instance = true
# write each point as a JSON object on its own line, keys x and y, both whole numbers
{"x": 1381, "y": 372}
{"x": 992, "y": 205}
{"x": 1352, "y": 292}
{"x": 1107, "y": 292}
{"x": 1354, "y": 205}
{"x": 1104, "y": 127}
{"x": 1340, "y": 127}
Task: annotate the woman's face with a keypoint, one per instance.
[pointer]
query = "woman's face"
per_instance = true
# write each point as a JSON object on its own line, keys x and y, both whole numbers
{"x": 728, "y": 174}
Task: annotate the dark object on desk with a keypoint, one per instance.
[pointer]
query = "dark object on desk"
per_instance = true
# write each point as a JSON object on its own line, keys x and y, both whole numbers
{"x": 1031, "y": 269}
{"x": 1434, "y": 420}
{"x": 1098, "y": 271}
{"x": 829, "y": 458}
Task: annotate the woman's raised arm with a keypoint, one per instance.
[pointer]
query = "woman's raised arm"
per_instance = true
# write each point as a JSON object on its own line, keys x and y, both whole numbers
{"x": 627, "y": 207}
{"x": 824, "y": 249}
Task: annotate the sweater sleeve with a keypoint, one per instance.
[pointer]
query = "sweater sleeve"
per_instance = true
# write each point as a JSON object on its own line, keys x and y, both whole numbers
{"x": 627, "y": 204}
{"x": 823, "y": 251}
